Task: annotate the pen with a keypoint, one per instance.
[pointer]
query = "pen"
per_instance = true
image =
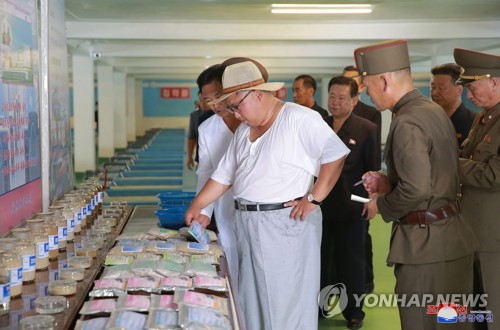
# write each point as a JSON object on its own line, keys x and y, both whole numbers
{"x": 362, "y": 180}
{"x": 358, "y": 183}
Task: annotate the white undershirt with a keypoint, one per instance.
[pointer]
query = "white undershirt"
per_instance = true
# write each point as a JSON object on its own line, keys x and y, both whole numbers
{"x": 279, "y": 165}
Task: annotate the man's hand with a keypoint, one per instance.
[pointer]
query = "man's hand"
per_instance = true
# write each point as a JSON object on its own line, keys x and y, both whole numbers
{"x": 301, "y": 208}
{"x": 203, "y": 220}
{"x": 370, "y": 209}
{"x": 190, "y": 163}
{"x": 376, "y": 182}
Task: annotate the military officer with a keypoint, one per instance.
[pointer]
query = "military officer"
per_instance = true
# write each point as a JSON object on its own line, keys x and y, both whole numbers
{"x": 431, "y": 244}
{"x": 480, "y": 170}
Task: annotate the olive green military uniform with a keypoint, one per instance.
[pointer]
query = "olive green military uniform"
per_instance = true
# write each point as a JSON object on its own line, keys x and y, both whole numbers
{"x": 480, "y": 177}
{"x": 422, "y": 167}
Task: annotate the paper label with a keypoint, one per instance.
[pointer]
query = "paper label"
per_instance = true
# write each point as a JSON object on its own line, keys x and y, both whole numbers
{"x": 167, "y": 302}
{"x": 166, "y": 318}
{"x": 198, "y": 246}
{"x": 62, "y": 233}
{"x": 16, "y": 276}
{"x": 42, "y": 249}
{"x": 130, "y": 320}
{"x": 102, "y": 305}
{"x": 131, "y": 248}
{"x": 198, "y": 232}
{"x": 53, "y": 242}
{"x": 140, "y": 282}
{"x": 70, "y": 225}
{"x": 108, "y": 283}
{"x": 29, "y": 263}
{"x": 165, "y": 246}
{"x": 78, "y": 218}
{"x": 4, "y": 293}
{"x": 137, "y": 302}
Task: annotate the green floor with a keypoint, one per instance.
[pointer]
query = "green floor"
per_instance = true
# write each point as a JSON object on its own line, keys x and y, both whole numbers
{"x": 376, "y": 317}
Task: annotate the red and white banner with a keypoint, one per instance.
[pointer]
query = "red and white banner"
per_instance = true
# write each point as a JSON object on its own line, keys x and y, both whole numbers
{"x": 175, "y": 93}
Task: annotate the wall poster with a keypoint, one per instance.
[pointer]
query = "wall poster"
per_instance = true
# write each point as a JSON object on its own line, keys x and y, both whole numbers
{"x": 20, "y": 183}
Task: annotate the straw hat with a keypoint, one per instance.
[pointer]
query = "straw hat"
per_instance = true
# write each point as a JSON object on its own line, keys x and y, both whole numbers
{"x": 244, "y": 76}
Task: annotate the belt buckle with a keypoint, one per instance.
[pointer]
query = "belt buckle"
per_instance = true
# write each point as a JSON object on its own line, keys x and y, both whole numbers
{"x": 422, "y": 223}
{"x": 242, "y": 207}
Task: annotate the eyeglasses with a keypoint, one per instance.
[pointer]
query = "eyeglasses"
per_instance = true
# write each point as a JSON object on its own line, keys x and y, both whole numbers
{"x": 232, "y": 108}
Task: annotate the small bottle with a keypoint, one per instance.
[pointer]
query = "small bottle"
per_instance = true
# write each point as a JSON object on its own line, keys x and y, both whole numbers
{"x": 41, "y": 241}
{"x": 13, "y": 264}
{"x": 27, "y": 252}
{"x": 4, "y": 288}
{"x": 70, "y": 221}
{"x": 52, "y": 231}
{"x": 62, "y": 225}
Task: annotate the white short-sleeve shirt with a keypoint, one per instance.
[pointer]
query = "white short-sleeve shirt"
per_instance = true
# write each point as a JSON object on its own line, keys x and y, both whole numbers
{"x": 279, "y": 165}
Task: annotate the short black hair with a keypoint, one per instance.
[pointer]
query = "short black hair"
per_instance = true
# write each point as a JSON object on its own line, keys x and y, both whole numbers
{"x": 450, "y": 69}
{"x": 308, "y": 81}
{"x": 209, "y": 75}
{"x": 344, "y": 81}
{"x": 349, "y": 68}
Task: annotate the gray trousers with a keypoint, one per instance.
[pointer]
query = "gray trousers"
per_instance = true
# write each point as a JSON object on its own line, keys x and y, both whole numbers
{"x": 447, "y": 277}
{"x": 279, "y": 261}
{"x": 487, "y": 267}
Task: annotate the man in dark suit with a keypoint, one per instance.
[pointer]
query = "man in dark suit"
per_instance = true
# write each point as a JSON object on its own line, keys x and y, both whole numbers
{"x": 344, "y": 229}
{"x": 448, "y": 95}
{"x": 304, "y": 88}
{"x": 363, "y": 110}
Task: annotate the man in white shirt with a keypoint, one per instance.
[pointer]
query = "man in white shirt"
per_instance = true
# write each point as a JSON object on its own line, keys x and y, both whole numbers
{"x": 270, "y": 164}
{"x": 214, "y": 137}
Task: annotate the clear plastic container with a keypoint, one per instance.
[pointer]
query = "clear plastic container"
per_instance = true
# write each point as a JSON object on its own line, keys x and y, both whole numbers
{"x": 14, "y": 266}
{"x": 80, "y": 262}
{"x": 62, "y": 226}
{"x": 28, "y": 255}
{"x": 50, "y": 304}
{"x": 68, "y": 215}
{"x": 72, "y": 273}
{"x": 35, "y": 224}
{"x": 86, "y": 251}
{"x": 52, "y": 231}
{"x": 37, "y": 322}
{"x": 4, "y": 288}
{"x": 62, "y": 287}
{"x": 41, "y": 241}
{"x": 22, "y": 234}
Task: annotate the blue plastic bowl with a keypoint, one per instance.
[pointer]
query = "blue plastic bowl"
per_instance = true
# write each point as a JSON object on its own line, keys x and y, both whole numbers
{"x": 168, "y": 195}
{"x": 172, "y": 218}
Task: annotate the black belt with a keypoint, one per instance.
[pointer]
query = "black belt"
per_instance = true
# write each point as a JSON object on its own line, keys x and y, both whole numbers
{"x": 259, "y": 207}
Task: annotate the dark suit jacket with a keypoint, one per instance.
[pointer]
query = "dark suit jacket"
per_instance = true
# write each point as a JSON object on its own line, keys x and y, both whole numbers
{"x": 320, "y": 110}
{"x": 360, "y": 136}
{"x": 363, "y": 110}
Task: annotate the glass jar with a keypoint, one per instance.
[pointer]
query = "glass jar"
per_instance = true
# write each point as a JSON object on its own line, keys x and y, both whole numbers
{"x": 62, "y": 226}
{"x": 22, "y": 234}
{"x": 13, "y": 264}
{"x": 70, "y": 220}
{"x": 27, "y": 252}
{"x": 38, "y": 322}
{"x": 81, "y": 207}
{"x": 35, "y": 224}
{"x": 4, "y": 287}
{"x": 41, "y": 241}
{"x": 52, "y": 231}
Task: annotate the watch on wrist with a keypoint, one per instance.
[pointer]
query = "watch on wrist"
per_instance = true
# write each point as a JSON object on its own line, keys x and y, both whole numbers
{"x": 311, "y": 199}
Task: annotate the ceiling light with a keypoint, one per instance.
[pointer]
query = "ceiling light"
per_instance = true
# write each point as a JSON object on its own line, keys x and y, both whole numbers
{"x": 321, "y": 8}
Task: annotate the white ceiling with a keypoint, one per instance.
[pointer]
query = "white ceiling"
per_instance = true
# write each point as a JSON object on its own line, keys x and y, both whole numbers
{"x": 177, "y": 39}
